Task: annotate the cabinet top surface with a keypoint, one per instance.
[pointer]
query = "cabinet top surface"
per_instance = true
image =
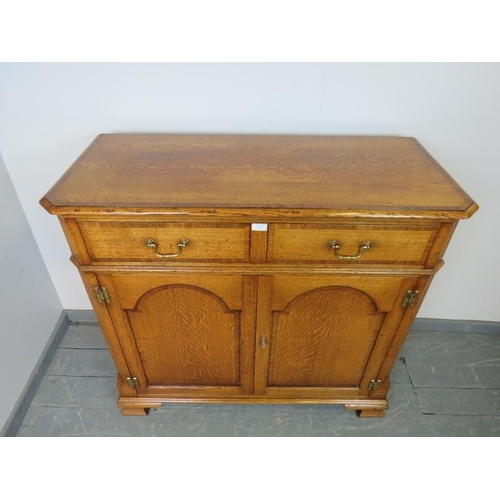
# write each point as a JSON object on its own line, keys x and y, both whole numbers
{"x": 123, "y": 172}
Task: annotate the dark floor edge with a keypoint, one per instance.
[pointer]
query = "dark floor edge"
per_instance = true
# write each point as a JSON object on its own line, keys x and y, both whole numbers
{"x": 18, "y": 413}
{"x": 81, "y": 315}
{"x": 455, "y": 325}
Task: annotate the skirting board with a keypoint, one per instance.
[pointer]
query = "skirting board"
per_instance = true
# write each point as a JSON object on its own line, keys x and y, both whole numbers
{"x": 23, "y": 403}
{"x": 455, "y": 325}
{"x": 81, "y": 315}
{"x": 87, "y": 316}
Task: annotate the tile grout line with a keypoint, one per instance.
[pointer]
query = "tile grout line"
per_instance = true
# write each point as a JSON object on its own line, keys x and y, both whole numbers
{"x": 464, "y": 415}
{"x": 456, "y": 387}
{"x": 451, "y": 364}
{"x": 403, "y": 360}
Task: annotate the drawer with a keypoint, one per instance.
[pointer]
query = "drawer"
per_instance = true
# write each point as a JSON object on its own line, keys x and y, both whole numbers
{"x": 355, "y": 244}
{"x": 141, "y": 242}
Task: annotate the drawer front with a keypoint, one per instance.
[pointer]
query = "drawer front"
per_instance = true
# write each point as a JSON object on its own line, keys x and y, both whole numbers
{"x": 354, "y": 244}
{"x": 142, "y": 242}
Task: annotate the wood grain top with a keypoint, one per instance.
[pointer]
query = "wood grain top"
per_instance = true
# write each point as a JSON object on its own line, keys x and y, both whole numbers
{"x": 158, "y": 172}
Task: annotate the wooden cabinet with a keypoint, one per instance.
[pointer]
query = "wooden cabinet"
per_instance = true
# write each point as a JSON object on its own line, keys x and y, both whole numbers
{"x": 256, "y": 268}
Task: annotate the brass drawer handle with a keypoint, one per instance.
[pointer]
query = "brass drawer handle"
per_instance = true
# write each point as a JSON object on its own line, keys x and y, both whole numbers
{"x": 150, "y": 243}
{"x": 362, "y": 248}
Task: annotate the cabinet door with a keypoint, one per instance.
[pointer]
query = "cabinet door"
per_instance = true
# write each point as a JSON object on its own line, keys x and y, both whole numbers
{"x": 325, "y": 336}
{"x": 185, "y": 335}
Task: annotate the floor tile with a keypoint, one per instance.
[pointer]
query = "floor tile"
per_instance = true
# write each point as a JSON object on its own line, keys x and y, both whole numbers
{"x": 402, "y": 399}
{"x": 172, "y": 422}
{"x": 55, "y": 422}
{"x": 465, "y": 426}
{"x": 82, "y": 362}
{"x": 399, "y": 374}
{"x": 83, "y": 337}
{"x": 449, "y": 348}
{"x": 251, "y": 420}
{"x": 454, "y": 391}
{"x": 410, "y": 425}
{"x": 180, "y": 423}
{"x": 451, "y": 401}
{"x": 238, "y": 423}
{"x": 280, "y": 420}
{"x": 466, "y": 376}
{"x": 77, "y": 392}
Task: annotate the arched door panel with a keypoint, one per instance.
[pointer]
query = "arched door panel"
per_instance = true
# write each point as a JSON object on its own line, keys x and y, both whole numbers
{"x": 325, "y": 335}
{"x": 185, "y": 335}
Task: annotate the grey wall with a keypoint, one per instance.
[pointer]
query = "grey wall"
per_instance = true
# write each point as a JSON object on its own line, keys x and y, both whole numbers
{"x": 29, "y": 305}
{"x": 50, "y": 112}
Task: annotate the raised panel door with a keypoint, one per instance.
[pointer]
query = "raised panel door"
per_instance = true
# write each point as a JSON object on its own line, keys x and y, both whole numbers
{"x": 326, "y": 336}
{"x": 185, "y": 335}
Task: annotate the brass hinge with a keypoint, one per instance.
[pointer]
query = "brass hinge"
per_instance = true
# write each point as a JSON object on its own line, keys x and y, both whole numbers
{"x": 133, "y": 382}
{"x": 102, "y": 294}
{"x": 411, "y": 297}
{"x": 373, "y": 385}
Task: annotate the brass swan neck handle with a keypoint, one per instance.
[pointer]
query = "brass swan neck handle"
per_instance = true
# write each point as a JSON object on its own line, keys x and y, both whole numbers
{"x": 150, "y": 243}
{"x": 362, "y": 248}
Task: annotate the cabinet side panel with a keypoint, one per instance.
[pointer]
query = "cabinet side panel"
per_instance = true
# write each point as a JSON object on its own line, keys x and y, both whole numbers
{"x": 74, "y": 238}
{"x": 404, "y": 326}
{"x": 110, "y": 335}
{"x": 440, "y": 244}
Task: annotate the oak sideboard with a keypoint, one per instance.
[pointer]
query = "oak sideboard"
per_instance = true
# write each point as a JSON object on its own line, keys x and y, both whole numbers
{"x": 256, "y": 268}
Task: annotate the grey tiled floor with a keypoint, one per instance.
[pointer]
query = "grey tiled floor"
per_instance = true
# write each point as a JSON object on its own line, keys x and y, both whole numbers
{"x": 445, "y": 384}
